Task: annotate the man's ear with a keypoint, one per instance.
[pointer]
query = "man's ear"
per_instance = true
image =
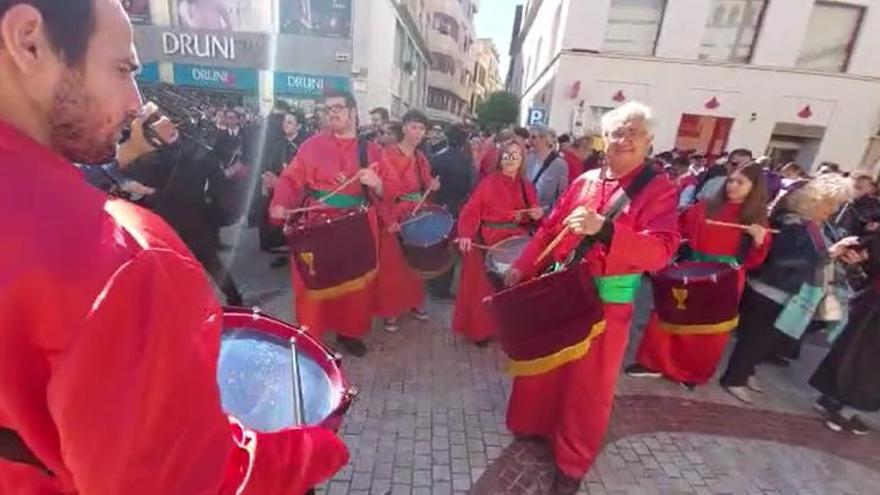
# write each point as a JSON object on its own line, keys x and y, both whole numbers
{"x": 24, "y": 39}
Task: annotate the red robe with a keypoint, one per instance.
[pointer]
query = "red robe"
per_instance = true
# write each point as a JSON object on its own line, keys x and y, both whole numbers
{"x": 398, "y": 287}
{"x": 693, "y": 358}
{"x": 317, "y": 167}
{"x": 494, "y": 200}
{"x": 109, "y": 340}
{"x": 570, "y": 405}
{"x": 576, "y": 166}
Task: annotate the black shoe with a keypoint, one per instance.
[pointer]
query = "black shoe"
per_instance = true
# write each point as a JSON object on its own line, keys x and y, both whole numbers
{"x": 355, "y": 347}
{"x": 482, "y": 343}
{"x": 279, "y": 262}
{"x": 857, "y": 427}
{"x": 639, "y": 371}
{"x": 563, "y": 485}
{"x": 835, "y": 421}
{"x": 826, "y": 405}
{"x": 690, "y": 386}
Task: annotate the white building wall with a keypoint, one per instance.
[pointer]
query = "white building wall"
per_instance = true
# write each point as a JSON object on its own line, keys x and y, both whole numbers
{"x": 756, "y": 95}
{"x": 373, "y": 53}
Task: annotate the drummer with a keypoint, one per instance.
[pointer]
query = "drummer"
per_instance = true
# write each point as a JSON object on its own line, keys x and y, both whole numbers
{"x": 325, "y": 162}
{"x": 503, "y": 205}
{"x": 692, "y": 359}
{"x": 570, "y": 406}
{"x": 406, "y": 173}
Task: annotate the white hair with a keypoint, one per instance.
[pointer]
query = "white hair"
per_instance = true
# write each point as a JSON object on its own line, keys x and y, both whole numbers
{"x": 632, "y": 110}
{"x": 828, "y": 187}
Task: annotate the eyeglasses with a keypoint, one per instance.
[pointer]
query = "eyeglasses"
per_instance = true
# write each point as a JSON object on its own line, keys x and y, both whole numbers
{"x": 630, "y": 133}
{"x": 509, "y": 156}
{"x": 336, "y": 108}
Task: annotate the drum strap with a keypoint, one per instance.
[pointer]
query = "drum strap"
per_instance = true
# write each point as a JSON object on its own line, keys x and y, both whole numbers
{"x": 364, "y": 162}
{"x": 544, "y": 166}
{"x": 13, "y": 449}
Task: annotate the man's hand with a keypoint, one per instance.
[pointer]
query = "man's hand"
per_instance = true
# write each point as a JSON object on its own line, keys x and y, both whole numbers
{"x": 135, "y": 188}
{"x": 758, "y": 233}
{"x": 465, "y": 244}
{"x": 278, "y": 213}
{"x": 842, "y": 246}
{"x": 584, "y": 221}
{"x": 369, "y": 178}
{"x": 270, "y": 180}
{"x": 536, "y": 213}
{"x": 393, "y": 228}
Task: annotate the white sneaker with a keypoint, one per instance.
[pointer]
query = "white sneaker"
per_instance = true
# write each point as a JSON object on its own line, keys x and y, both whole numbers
{"x": 741, "y": 393}
{"x": 754, "y": 385}
{"x": 390, "y": 325}
{"x": 420, "y": 314}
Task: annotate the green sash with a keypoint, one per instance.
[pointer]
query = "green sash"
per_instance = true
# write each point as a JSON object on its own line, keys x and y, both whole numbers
{"x": 618, "y": 289}
{"x": 501, "y": 225}
{"x": 717, "y": 258}
{"x": 413, "y": 196}
{"x": 338, "y": 200}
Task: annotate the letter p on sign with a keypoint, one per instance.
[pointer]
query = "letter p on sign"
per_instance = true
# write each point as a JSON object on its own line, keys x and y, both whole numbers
{"x": 537, "y": 116}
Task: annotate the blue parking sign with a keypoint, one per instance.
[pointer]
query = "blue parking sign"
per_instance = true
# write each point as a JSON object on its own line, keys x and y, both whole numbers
{"x": 537, "y": 116}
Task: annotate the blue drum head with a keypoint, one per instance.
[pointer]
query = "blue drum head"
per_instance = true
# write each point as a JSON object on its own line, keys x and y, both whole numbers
{"x": 255, "y": 375}
{"x": 427, "y": 228}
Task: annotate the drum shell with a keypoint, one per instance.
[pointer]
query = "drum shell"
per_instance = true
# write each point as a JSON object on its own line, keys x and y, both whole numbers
{"x": 545, "y": 315}
{"x": 342, "y": 394}
{"x": 332, "y": 252}
{"x": 696, "y": 293}
{"x": 435, "y": 257}
{"x": 517, "y": 244}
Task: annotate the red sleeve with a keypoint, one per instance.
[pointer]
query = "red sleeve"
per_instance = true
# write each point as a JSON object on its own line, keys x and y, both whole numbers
{"x": 424, "y": 168}
{"x": 471, "y": 213}
{"x": 757, "y": 254}
{"x": 550, "y": 228}
{"x": 690, "y": 221}
{"x": 390, "y": 189}
{"x": 135, "y": 398}
{"x": 651, "y": 241}
{"x": 290, "y": 189}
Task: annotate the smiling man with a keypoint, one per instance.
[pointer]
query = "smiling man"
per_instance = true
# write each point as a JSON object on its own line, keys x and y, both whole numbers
{"x": 575, "y": 397}
{"x": 109, "y": 329}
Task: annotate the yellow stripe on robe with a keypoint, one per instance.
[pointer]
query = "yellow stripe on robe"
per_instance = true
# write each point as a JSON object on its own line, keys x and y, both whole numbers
{"x": 710, "y": 329}
{"x": 545, "y": 364}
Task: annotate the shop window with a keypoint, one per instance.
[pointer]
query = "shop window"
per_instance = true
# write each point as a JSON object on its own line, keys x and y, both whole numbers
{"x": 633, "y": 26}
{"x": 731, "y": 30}
{"x": 831, "y": 34}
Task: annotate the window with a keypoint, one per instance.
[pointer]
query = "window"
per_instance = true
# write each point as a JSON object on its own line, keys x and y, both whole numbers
{"x": 446, "y": 25}
{"x": 831, "y": 34}
{"x": 633, "y": 26}
{"x": 731, "y": 30}
{"x": 441, "y": 62}
{"x": 557, "y": 18}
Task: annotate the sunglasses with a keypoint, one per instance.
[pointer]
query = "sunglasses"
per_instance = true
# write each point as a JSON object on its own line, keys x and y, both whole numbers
{"x": 508, "y": 156}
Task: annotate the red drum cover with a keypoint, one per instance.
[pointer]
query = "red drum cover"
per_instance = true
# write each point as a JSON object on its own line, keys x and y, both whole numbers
{"x": 334, "y": 255}
{"x": 545, "y": 315}
{"x": 697, "y": 297}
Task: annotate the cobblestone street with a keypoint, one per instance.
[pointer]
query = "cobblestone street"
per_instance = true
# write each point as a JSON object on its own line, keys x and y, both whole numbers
{"x": 430, "y": 420}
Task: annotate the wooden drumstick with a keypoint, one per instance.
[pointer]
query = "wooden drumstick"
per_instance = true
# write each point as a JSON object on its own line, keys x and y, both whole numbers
{"x": 549, "y": 249}
{"x": 412, "y": 219}
{"x": 421, "y": 201}
{"x": 339, "y": 189}
{"x": 736, "y": 226}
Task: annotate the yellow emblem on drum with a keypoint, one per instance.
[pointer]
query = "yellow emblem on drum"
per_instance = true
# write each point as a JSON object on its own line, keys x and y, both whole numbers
{"x": 680, "y": 295}
{"x": 309, "y": 259}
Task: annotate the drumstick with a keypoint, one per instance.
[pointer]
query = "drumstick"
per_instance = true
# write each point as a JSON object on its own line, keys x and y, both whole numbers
{"x": 297, "y": 385}
{"x": 736, "y": 226}
{"x": 413, "y": 219}
{"x": 549, "y": 249}
{"x": 421, "y": 201}
{"x": 339, "y": 189}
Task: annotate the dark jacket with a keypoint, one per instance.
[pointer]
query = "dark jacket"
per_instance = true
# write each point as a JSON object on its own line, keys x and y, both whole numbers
{"x": 455, "y": 169}
{"x": 794, "y": 257}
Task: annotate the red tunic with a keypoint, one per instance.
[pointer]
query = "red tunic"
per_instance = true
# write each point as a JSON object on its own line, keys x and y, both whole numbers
{"x": 575, "y": 166}
{"x": 398, "y": 287}
{"x": 693, "y": 358}
{"x": 494, "y": 201}
{"x": 109, "y": 340}
{"x": 317, "y": 167}
{"x": 570, "y": 405}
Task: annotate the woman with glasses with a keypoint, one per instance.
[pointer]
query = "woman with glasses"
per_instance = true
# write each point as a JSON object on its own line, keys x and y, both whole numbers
{"x": 691, "y": 358}
{"x": 503, "y": 205}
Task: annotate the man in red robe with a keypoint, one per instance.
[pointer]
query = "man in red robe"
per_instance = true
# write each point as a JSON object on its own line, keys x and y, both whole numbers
{"x": 109, "y": 328}
{"x": 570, "y": 405}
{"x": 406, "y": 174}
{"x": 326, "y": 162}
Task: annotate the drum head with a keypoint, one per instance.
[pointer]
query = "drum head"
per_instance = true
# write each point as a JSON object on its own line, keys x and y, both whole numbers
{"x": 692, "y": 270}
{"x": 503, "y": 254}
{"x": 255, "y": 374}
{"x": 428, "y": 227}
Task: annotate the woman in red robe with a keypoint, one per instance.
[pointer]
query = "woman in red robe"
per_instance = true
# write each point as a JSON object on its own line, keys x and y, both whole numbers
{"x": 503, "y": 205}
{"x": 406, "y": 173}
{"x": 691, "y": 358}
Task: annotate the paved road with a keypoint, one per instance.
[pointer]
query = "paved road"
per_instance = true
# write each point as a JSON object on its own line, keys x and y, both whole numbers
{"x": 430, "y": 420}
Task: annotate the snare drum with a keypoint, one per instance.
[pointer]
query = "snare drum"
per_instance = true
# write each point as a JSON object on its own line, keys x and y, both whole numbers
{"x": 501, "y": 257}
{"x": 332, "y": 254}
{"x": 425, "y": 238}
{"x": 259, "y": 382}
{"x": 695, "y": 297}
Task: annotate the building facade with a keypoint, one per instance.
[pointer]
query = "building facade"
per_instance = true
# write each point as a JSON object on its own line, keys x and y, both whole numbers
{"x": 795, "y": 79}
{"x": 451, "y": 39}
{"x": 262, "y": 51}
{"x": 486, "y": 73}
